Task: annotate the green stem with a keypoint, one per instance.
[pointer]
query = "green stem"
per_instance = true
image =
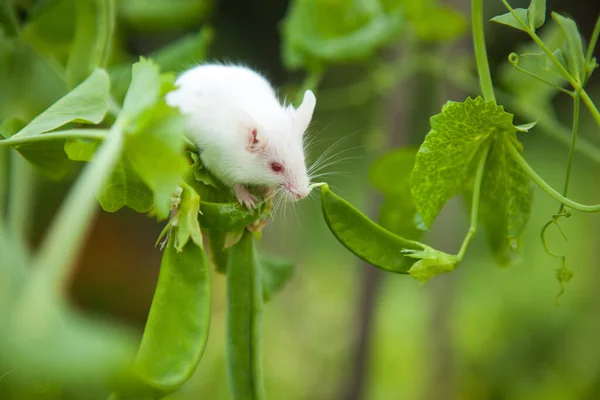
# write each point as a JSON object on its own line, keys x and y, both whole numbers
{"x": 474, "y": 203}
{"x": 483, "y": 67}
{"x": 3, "y": 182}
{"x": 97, "y": 134}
{"x": 591, "y": 106}
{"x": 66, "y": 235}
{"x": 518, "y": 158}
{"x": 20, "y": 201}
{"x": 244, "y": 312}
{"x": 573, "y": 144}
{"x": 592, "y": 46}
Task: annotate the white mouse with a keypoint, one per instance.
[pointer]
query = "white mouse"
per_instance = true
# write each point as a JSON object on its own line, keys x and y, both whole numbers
{"x": 244, "y": 135}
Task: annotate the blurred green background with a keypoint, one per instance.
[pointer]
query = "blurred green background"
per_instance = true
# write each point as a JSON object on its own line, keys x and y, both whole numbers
{"x": 340, "y": 329}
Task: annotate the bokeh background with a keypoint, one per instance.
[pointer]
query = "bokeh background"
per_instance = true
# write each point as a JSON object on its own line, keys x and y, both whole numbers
{"x": 342, "y": 330}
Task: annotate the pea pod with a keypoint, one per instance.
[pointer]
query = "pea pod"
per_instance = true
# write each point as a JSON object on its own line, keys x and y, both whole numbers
{"x": 363, "y": 237}
{"x": 225, "y": 216}
{"x": 244, "y": 312}
{"x": 178, "y": 324}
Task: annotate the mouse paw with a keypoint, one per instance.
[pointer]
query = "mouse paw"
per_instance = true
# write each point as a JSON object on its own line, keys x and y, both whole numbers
{"x": 244, "y": 197}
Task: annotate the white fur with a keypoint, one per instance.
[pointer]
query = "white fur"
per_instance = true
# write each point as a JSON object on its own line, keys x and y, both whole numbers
{"x": 221, "y": 103}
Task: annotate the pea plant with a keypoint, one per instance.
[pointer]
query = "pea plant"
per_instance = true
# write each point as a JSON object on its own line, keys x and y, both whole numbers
{"x": 113, "y": 117}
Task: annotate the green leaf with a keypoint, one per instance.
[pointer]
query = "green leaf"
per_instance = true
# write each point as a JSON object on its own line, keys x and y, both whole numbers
{"x": 80, "y": 149}
{"x": 443, "y": 163}
{"x": 528, "y": 88}
{"x": 431, "y": 263}
{"x": 275, "y": 272}
{"x": 48, "y": 157}
{"x": 575, "y": 54}
{"x": 317, "y": 31}
{"x": 87, "y": 103}
{"x": 510, "y": 20}
{"x": 8, "y": 19}
{"x": 156, "y": 154}
{"x": 536, "y": 13}
{"x": 187, "y": 225}
{"x": 155, "y": 135}
{"x": 125, "y": 188}
{"x": 505, "y": 203}
{"x": 526, "y": 127}
{"x": 93, "y": 36}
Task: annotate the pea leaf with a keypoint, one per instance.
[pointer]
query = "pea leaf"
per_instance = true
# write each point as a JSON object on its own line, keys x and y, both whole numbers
{"x": 510, "y": 20}
{"x": 187, "y": 225}
{"x": 87, "y": 103}
{"x": 317, "y": 31}
{"x": 80, "y": 149}
{"x": 156, "y": 154}
{"x": 505, "y": 202}
{"x": 431, "y": 262}
{"x": 390, "y": 174}
{"x": 153, "y": 155}
{"x": 531, "y": 59}
{"x": 574, "y": 50}
{"x": 536, "y": 13}
{"x": 275, "y": 273}
{"x": 444, "y": 159}
{"x": 48, "y": 157}
{"x": 125, "y": 188}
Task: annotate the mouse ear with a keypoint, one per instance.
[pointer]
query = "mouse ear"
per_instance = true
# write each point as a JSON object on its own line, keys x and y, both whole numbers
{"x": 250, "y": 131}
{"x": 304, "y": 112}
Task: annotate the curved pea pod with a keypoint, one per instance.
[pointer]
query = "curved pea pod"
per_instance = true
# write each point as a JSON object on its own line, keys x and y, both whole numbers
{"x": 178, "y": 324}
{"x": 226, "y": 216}
{"x": 363, "y": 237}
{"x": 244, "y": 314}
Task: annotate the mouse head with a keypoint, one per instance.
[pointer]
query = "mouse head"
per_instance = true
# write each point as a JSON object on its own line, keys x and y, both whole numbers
{"x": 277, "y": 151}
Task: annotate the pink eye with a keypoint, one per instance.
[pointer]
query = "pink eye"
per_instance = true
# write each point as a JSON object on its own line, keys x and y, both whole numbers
{"x": 276, "y": 167}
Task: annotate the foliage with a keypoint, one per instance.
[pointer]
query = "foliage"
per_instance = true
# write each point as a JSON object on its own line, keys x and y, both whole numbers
{"x": 98, "y": 108}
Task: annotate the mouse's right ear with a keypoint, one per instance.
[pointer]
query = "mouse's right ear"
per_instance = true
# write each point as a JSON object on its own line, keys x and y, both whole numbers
{"x": 250, "y": 132}
{"x": 304, "y": 112}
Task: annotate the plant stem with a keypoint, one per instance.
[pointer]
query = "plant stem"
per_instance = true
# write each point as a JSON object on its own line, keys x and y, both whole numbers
{"x": 311, "y": 82}
{"x": 67, "y": 233}
{"x": 592, "y": 46}
{"x": 591, "y": 106}
{"x": 98, "y": 134}
{"x": 20, "y": 197}
{"x": 474, "y": 203}
{"x": 3, "y": 182}
{"x": 573, "y": 143}
{"x": 483, "y": 67}
{"x": 518, "y": 158}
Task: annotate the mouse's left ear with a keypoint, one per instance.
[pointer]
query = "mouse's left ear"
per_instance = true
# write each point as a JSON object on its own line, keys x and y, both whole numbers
{"x": 303, "y": 114}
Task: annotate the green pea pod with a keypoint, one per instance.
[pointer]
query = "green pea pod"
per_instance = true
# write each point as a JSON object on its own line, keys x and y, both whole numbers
{"x": 178, "y": 324}
{"x": 225, "y": 216}
{"x": 363, "y": 237}
{"x": 244, "y": 312}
